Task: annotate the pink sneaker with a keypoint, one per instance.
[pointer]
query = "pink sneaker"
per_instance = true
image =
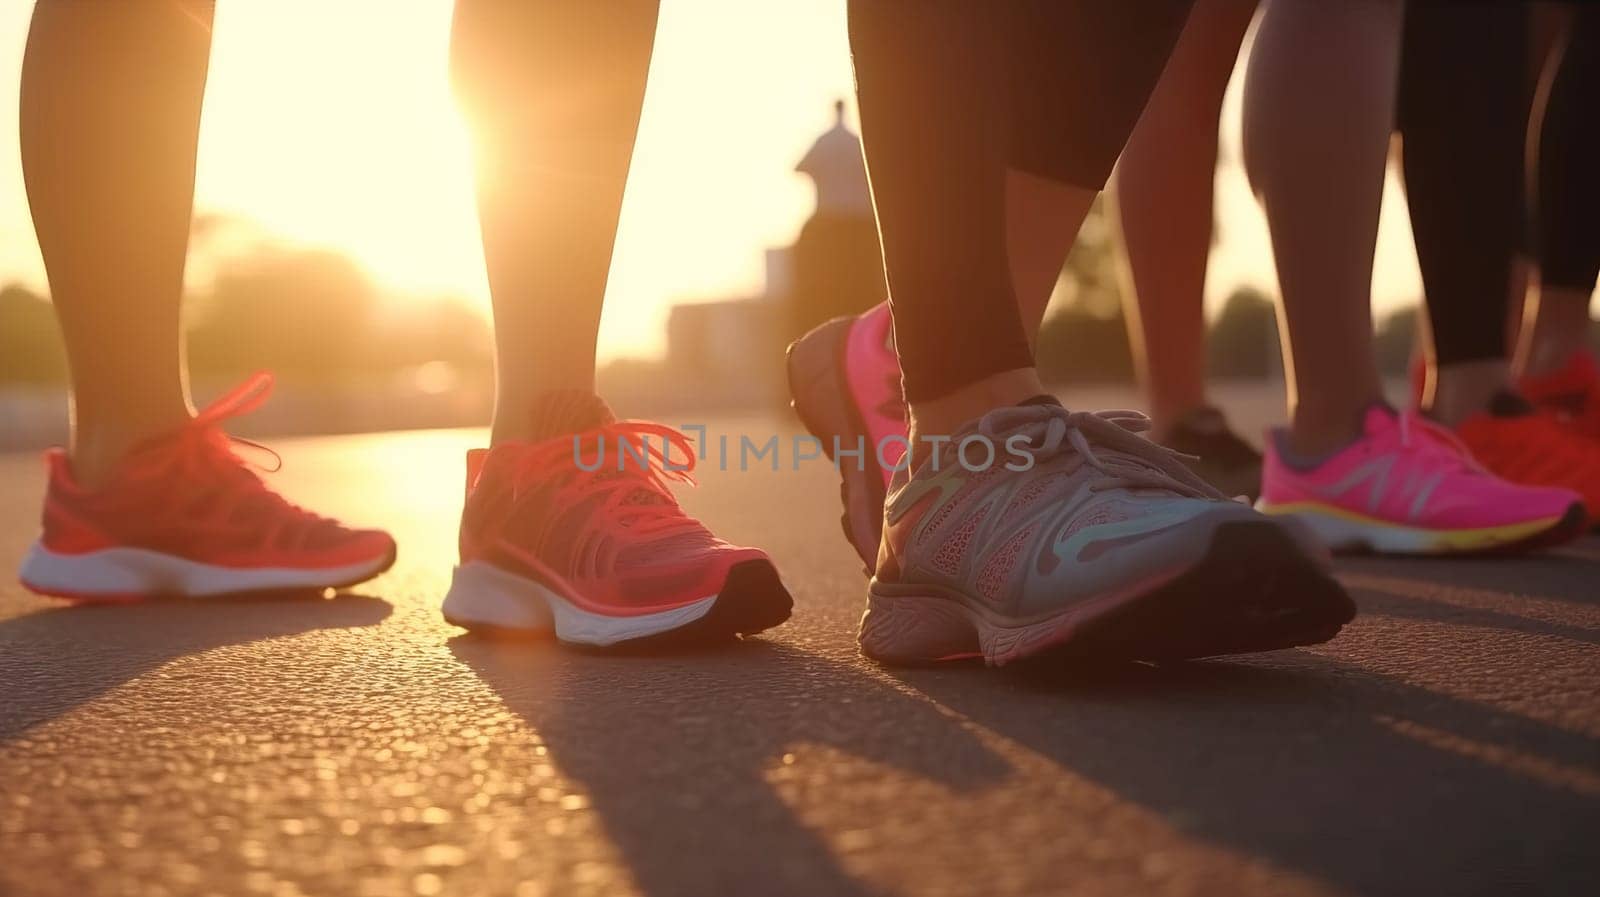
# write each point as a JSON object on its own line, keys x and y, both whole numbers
{"x": 1407, "y": 486}
{"x": 845, "y": 381}
{"x": 578, "y": 533}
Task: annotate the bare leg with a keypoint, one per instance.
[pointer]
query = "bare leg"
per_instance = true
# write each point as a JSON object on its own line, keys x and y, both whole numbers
{"x": 1319, "y": 107}
{"x": 1164, "y": 187}
{"x": 110, "y": 121}
{"x": 553, "y": 91}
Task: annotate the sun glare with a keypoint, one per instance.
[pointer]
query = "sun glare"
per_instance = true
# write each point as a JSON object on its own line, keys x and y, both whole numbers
{"x": 332, "y": 124}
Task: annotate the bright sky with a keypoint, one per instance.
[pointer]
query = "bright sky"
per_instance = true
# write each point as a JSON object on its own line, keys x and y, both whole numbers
{"x": 330, "y": 123}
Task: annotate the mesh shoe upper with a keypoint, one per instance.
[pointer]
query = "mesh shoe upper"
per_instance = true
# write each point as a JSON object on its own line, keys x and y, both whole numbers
{"x": 1075, "y": 506}
{"x": 1536, "y": 449}
{"x": 1573, "y": 392}
{"x": 189, "y": 494}
{"x": 1406, "y": 471}
{"x": 591, "y": 514}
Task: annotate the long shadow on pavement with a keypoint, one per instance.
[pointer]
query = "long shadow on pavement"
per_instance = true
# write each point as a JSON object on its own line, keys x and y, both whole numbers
{"x": 1551, "y": 575}
{"x": 671, "y": 752}
{"x": 56, "y": 660}
{"x": 1389, "y": 601}
{"x": 1316, "y": 766}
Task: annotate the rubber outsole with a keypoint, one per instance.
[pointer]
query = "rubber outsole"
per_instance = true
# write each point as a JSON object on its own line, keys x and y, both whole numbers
{"x": 1253, "y": 590}
{"x": 752, "y": 599}
{"x": 815, "y": 364}
{"x": 378, "y": 568}
{"x": 1569, "y": 526}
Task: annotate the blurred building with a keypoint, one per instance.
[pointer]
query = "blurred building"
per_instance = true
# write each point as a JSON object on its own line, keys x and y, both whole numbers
{"x": 838, "y": 266}
{"x": 731, "y": 351}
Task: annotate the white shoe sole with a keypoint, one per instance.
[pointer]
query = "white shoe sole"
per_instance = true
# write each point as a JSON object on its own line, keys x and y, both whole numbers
{"x": 484, "y": 596}
{"x": 129, "y": 573}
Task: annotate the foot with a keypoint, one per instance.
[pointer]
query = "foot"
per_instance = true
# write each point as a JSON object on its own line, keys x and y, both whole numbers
{"x": 1221, "y": 458}
{"x": 1102, "y": 544}
{"x": 845, "y": 381}
{"x": 1571, "y": 391}
{"x": 1407, "y": 486}
{"x": 1534, "y": 447}
{"x": 601, "y": 556}
{"x": 184, "y": 516}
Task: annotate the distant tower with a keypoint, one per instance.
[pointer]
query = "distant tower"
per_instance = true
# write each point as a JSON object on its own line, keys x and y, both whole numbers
{"x": 838, "y": 267}
{"x": 835, "y": 167}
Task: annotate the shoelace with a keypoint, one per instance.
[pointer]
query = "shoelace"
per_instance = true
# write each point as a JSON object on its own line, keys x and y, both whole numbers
{"x": 1123, "y": 457}
{"x": 1417, "y": 432}
{"x": 202, "y": 452}
{"x": 638, "y": 495}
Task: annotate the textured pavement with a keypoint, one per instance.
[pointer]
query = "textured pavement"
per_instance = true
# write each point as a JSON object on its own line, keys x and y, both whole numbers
{"x": 1447, "y": 743}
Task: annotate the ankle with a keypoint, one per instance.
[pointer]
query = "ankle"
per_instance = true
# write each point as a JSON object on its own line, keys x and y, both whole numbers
{"x": 946, "y": 414}
{"x": 1466, "y": 388}
{"x": 1559, "y": 329}
{"x": 96, "y": 452}
{"x": 529, "y": 404}
{"x": 1546, "y": 356}
{"x": 549, "y": 414}
{"x": 1316, "y": 432}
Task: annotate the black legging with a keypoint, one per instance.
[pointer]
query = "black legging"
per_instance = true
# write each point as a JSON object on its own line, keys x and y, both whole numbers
{"x": 1462, "y": 109}
{"x": 1566, "y": 147}
{"x": 952, "y": 93}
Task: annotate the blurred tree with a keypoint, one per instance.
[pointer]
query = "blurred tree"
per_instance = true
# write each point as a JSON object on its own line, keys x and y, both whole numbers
{"x": 444, "y": 330}
{"x": 1090, "y": 279}
{"x": 307, "y": 314}
{"x": 1083, "y": 337}
{"x": 1078, "y": 345}
{"x": 30, "y": 344}
{"x": 1397, "y": 334}
{"x": 1243, "y": 339}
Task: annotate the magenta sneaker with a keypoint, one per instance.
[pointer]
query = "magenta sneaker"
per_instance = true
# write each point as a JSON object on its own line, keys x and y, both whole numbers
{"x": 1407, "y": 486}
{"x": 845, "y": 381}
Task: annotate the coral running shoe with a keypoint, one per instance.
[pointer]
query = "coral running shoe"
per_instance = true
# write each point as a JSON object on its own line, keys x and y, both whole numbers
{"x": 1080, "y": 537}
{"x": 845, "y": 382}
{"x": 184, "y": 516}
{"x": 1572, "y": 392}
{"x": 578, "y": 533}
{"x": 1534, "y": 447}
{"x": 1408, "y": 486}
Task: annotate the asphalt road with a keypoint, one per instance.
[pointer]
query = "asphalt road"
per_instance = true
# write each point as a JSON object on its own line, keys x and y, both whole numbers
{"x": 1447, "y": 743}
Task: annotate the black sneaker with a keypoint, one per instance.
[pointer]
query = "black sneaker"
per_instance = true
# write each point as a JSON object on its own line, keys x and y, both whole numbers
{"x": 1224, "y": 460}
